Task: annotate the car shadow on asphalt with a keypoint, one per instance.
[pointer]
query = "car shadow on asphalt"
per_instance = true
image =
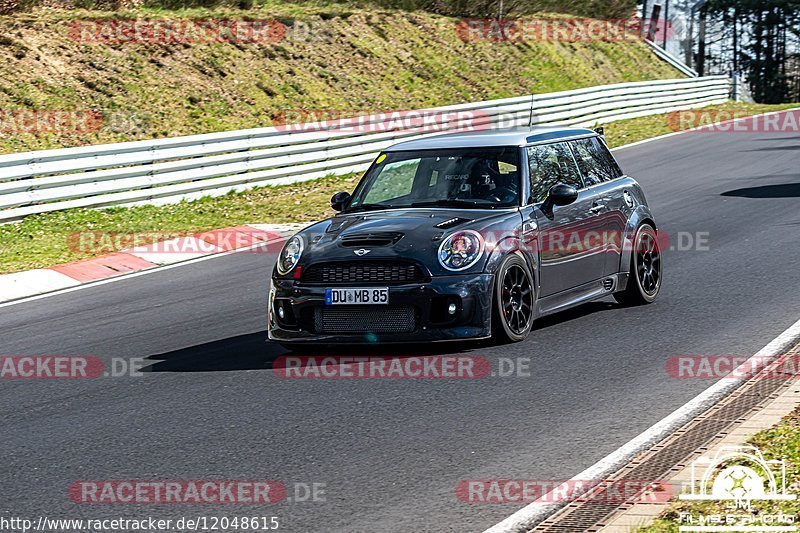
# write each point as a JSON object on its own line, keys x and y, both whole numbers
{"x": 242, "y": 352}
{"x": 792, "y": 138}
{"x": 782, "y": 190}
{"x": 253, "y": 351}
{"x": 776, "y": 148}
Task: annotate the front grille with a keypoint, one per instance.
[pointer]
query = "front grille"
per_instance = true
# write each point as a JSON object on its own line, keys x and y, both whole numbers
{"x": 363, "y": 272}
{"x": 372, "y": 319}
{"x": 379, "y": 238}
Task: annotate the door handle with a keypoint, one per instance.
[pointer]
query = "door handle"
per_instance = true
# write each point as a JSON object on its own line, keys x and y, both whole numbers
{"x": 596, "y": 208}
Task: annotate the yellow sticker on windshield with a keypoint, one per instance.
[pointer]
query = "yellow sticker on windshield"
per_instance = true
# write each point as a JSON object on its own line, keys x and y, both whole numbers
{"x": 380, "y": 159}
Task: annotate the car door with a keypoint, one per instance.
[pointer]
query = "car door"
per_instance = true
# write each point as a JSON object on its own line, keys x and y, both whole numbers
{"x": 600, "y": 174}
{"x": 568, "y": 255}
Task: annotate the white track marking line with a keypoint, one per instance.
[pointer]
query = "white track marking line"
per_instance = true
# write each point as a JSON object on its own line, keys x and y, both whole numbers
{"x": 539, "y": 510}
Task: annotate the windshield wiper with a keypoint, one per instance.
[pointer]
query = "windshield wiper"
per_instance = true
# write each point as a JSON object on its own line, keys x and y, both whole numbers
{"x": 451, "y": 202}
{"x": 368, "y": 207}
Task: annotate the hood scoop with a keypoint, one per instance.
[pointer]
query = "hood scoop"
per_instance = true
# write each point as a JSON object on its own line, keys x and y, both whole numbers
{"x": 452, "y": 223}
{"x": 376, "y": 238}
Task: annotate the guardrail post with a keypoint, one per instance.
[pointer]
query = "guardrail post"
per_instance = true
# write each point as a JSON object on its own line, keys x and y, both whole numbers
{"x": 736, "y": 80}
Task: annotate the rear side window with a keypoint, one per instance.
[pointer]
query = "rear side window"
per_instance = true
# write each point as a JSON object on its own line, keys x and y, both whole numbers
{"x": 551, "y": 164}
{"x": 595, "y": 161}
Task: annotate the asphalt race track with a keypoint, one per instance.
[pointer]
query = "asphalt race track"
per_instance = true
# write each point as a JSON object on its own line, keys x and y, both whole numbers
{"x": 389, "y": 451}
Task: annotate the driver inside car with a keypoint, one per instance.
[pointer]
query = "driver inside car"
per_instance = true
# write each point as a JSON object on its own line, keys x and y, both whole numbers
{"x": 486, "y": 182}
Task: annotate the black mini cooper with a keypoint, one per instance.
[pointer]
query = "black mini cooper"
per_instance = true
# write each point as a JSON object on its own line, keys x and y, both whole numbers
{"x": 468, "y": 236}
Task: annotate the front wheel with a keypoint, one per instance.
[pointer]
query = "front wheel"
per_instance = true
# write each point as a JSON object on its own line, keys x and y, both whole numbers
{"x": 644, "y": 279}
{"x": 514, "y": 299}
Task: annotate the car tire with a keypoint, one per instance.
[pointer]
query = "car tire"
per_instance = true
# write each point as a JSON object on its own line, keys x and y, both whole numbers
{"x": 514, "y": 301}
{"x": 647, "y": 267}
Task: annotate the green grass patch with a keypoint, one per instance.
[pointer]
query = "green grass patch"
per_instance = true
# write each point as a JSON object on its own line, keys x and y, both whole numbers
{"x": 43, "y": 240}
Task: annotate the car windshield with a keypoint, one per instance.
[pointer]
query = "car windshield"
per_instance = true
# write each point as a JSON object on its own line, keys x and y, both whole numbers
{"x": 478, "y": 178}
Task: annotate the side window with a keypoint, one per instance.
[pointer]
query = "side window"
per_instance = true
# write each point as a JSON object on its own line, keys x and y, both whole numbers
{"x": 551, "y": 164}
{"x": 595, "y": 161}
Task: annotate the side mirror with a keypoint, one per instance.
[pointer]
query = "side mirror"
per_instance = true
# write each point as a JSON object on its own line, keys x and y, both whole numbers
{"x": 559, "y": 194}
{"x": 339, "y": 200}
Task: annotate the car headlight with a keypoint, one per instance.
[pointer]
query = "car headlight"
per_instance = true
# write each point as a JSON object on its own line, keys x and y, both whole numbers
{"x": 290, "y": 255}
{"x": 461, "y": 250}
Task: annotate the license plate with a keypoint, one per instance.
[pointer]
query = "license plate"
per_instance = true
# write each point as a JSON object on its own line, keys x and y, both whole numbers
{"x": 357, "y": 296}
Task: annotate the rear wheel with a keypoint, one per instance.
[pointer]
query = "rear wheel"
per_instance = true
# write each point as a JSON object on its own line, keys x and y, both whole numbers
{"x": 644, "y": 279}
{"x": 513, "y": 300}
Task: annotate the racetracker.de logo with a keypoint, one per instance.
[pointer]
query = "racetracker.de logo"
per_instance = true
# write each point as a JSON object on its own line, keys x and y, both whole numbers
{"x": 560, "y": 30}
{"x": 381, "y": 367}
{"x": 51, "y": 367}
{"x": 551, "y": 242}
{"x": 733, "y": 367}
{"x": 38, "y": 121}
{"x": 185, "y": 492}
{"x": 551, "y": 491}
{"x": 177, "y": 31}
{"x": 722, "y": 121}
{"x": 165, "y": 242}
{"x": 372, "y": 121}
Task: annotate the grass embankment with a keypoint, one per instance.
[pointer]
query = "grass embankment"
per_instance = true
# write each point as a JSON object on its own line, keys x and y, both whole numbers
{"x": 472, "y": 8}
{"x": 42, "y": 240}
{"x": 782, "y": 443}
{"x": 333, "y": 56}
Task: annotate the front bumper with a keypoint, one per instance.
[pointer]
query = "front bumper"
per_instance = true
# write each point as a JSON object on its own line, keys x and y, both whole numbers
{"x": 303, "y": 306}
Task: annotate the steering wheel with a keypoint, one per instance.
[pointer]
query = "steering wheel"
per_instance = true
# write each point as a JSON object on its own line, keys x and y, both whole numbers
{"x": 501, "y": 195}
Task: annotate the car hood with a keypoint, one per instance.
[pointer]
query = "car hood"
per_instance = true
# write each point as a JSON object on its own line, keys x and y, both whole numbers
{"x": 413, "y": 233}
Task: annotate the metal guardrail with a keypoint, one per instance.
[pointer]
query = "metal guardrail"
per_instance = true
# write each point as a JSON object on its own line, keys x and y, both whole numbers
{"x": 671, "y": 59}
{"x": 173, "y": 169}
